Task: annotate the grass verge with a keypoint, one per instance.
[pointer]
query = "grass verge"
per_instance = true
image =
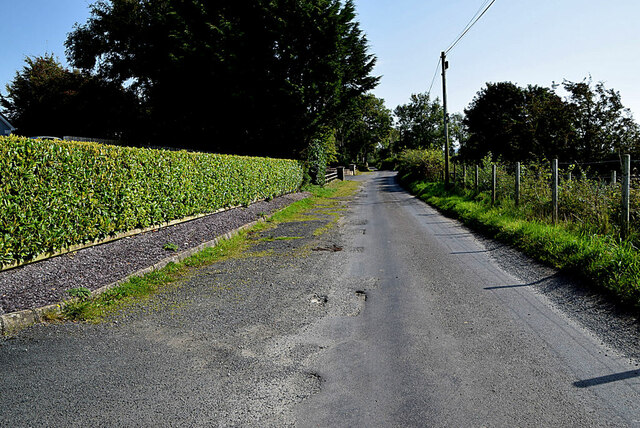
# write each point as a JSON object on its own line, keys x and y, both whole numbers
{"x": 607, "y": 264}
{"x": 96, "y": 308}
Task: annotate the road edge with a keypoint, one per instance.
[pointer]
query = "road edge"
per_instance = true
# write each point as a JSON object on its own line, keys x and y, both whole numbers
{"x": 11, "y": 323}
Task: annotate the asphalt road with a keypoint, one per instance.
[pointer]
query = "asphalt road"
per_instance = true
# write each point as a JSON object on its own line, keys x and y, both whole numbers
{"x": 396, "y": 317}
{"x": 449, "y": 338}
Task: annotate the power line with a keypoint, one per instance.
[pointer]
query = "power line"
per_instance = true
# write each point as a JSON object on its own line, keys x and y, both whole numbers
{"x": 473, "y": 17}
{"x": 473, "y": 21}
{"x": 434, "y": 76}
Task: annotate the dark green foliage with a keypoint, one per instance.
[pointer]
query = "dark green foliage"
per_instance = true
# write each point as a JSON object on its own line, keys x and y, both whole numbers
{"x": 603, "y": 127}
{"x": 516, "y": 124}
{"x": 81, "y": 293}
{"x": 170, "y": 246}
{"x": 420, "y": 164}
{"x": 54, "y": 195}
{"x": 46, "y": 99}
{"x": 233, "y": 76}
{"x": 533, "y": 123}
{"x": 317, "y": 158}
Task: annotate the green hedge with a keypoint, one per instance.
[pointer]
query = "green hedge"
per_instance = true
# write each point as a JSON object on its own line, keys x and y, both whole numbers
{"x": 57, "y": 194}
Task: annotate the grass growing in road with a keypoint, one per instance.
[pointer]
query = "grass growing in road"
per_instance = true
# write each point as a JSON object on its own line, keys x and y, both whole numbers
{"x": 94, "y": 309}
{"x": 607, "y": 263}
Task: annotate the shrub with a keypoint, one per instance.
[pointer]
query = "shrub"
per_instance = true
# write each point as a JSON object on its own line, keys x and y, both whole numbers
{"x": 421, "y": 164}
{"x": 57, "y": 194}
{"x": 320, "y": 152}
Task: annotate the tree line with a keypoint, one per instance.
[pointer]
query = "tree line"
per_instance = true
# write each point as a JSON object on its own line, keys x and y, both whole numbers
{"x": 285, "y": 78}
{"x": 575, "y": 121}
{"x": 258, "y": 77}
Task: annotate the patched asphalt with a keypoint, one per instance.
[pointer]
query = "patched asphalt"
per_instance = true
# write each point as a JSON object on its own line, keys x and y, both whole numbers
{"x": 219, "y": 348}
{"x": 395, "y": 316}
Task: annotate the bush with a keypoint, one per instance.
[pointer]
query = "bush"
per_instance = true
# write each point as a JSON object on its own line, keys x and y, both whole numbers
{"x": 389, "y": 163}
{"x": 421, "y": 164}
{"x": 57, "y": 194}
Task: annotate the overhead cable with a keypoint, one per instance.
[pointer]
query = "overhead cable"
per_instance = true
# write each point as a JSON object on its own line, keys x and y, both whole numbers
{"x": 434, "y": 77}
{"x": 472, "y": 22}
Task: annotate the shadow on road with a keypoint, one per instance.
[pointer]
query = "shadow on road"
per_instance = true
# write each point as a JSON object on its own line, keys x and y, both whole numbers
{"x": 540, "y": 281}
{"x": 607, "y": 379}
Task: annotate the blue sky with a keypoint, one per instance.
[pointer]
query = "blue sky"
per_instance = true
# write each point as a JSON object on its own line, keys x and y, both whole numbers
{"x": 524, "y": 42}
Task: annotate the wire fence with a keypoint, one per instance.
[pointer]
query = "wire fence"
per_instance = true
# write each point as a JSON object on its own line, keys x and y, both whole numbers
{"x": 601, "y": 197}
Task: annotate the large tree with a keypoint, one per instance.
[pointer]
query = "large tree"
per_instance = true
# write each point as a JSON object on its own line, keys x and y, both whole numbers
{"x": 45, "y": 98}
{"x": 247, "y": 76}
{"x": 515, "y": 123}
{"x": 604, "y": 128}
{"x": 520, "y": 124}
{"x": 420, "y": 123}
{"x": 363, "y": 130}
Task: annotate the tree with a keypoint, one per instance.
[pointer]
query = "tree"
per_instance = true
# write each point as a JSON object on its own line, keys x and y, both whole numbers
{"x": 458, "y": 132}
{"x": 515, "y": 123}
{"x": 420, "y": 123}
{"x": 45, "y": 98}
{"x": 604, "y": 128}
{"x": 532, "y": 123}
{"x": 243, "y": 76}
{"x": 364, "y": 129}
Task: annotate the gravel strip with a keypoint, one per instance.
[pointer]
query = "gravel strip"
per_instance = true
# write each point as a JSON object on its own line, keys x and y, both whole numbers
{"x": 46, "y": 282}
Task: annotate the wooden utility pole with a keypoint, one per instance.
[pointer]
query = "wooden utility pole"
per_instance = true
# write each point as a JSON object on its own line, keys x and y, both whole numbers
{"x": 464, "y": 176}
{"x": 445, "y": 65}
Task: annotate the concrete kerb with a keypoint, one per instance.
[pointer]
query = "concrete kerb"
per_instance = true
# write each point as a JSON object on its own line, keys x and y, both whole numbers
{"x": 12, "y": 322}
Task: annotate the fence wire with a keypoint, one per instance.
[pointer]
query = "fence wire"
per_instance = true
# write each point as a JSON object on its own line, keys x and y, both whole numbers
{"x": 589, "y": 199}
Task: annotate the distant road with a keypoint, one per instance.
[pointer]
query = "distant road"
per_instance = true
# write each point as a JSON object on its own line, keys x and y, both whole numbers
{"x": 396, "y": 317}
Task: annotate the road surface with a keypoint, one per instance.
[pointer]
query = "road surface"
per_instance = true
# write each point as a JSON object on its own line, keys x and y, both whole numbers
{"x": 396, "y": 317}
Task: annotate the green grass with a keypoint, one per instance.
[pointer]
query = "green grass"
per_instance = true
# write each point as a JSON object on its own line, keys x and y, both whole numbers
{"x": 136, "y": 289}
{"x": 608, "y": 264}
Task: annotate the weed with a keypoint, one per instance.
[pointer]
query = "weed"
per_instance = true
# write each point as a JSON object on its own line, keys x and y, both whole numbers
{"x": 135, "y": 289}
{"x": 81, "y": 293}
{"x": 170, "y": 246}
{"x": 602, "y": 260}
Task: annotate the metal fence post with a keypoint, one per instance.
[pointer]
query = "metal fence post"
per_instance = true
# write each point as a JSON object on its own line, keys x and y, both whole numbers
{"x": 477, "y": 176}
{"x": 493, "y": 183}
{"x": 626, "y": 192}
{"x": 554, "y": 191}
{"x": 517, "y": 184}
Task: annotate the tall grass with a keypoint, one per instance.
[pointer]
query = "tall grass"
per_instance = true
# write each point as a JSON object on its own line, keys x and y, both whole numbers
{"x": 586, "y": 241}
{"x": 585, "y": 204}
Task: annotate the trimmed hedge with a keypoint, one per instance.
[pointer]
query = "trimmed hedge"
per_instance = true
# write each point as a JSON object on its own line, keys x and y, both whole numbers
{"x": 57, "y": 194}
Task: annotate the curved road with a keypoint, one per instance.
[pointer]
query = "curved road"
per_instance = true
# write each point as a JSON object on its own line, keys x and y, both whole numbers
{"x": 398, "y": 317}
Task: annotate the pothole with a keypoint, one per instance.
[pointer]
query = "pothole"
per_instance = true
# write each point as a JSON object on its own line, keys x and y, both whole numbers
{"x": 334, "y": 248}
{"x": 362, "y": 295}
{"x": 319, "y": 299}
